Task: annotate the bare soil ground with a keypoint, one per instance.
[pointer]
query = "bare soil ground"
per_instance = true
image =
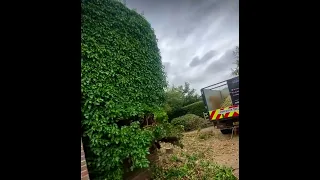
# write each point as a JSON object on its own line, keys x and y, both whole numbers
{"x": 212, "y": 145}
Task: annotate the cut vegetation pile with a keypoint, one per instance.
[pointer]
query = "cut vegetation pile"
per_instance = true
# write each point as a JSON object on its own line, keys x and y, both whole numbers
{"x": 227, "y": 102}
{"x": 207, "y": 154}
{"x": 191, "y": 166}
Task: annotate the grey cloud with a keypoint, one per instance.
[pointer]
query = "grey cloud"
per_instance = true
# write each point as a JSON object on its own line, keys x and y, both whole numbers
{"x": 185, "y": 32}
{"x": 166, "y": 66}
{"x": 188, "y": 27}
{"x": 207, "y": 9}
{"x": 181, "y": 17}
{"x": 196, "y": 61}
{"x": 206, "y": 80}
{"x": 222, "y": 64}
{"x": 216, "y": 71}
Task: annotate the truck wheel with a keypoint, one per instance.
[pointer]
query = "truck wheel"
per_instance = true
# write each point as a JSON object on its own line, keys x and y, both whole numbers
{"x": 226, "y": 131}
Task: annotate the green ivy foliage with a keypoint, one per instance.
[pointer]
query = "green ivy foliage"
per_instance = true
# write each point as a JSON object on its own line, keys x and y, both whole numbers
{"x": 122, "y": 79}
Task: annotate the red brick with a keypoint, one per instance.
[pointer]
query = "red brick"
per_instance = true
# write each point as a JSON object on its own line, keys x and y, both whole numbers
{"x": 84, "y": 173}
{"x": 85, "y": 178}
{"x": 83, "y": 163}
{"x": 83, "y": 168}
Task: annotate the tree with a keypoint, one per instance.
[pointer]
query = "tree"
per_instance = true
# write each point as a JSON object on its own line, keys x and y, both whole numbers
{"x": 190, "y": 95}
{"x": 235, "y": 71}
{"x": 178, "y": 97}
{"x": 174, "y": 99}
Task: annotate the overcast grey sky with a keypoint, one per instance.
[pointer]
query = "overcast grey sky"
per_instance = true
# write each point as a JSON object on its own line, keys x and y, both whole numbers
{"x": 196, "y": 37}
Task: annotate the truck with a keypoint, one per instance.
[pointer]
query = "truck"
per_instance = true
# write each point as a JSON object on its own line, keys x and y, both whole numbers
{"x": 222, "y": 104}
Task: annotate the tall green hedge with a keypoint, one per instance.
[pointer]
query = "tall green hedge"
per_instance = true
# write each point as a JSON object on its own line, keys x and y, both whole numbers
{"x": 196, "y": 108}
{"x": 122, "y": 79}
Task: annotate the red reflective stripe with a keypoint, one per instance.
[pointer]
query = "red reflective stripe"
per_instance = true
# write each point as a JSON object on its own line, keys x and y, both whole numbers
{"x": 212, "y": 113}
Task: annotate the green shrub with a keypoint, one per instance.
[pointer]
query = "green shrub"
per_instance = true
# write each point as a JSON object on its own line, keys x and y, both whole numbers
{"x": 190, "y": 122}
{"x": 196, "y": 108}
{"x": 122, "y": 80}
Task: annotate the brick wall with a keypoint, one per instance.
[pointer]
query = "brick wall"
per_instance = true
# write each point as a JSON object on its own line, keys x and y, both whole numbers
{"x": 84, "y": 170}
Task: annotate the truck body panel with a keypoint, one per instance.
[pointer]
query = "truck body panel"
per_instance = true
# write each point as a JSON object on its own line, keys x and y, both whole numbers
{"x": 227, "y": 112}
{"x": 222, "y": 103}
